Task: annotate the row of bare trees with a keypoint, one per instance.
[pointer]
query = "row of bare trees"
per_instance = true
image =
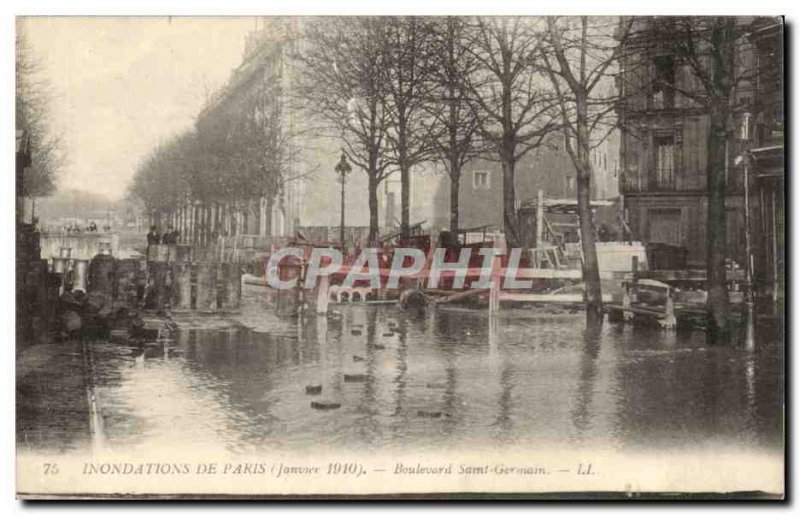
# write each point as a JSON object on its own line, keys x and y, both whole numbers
{"x": 237, "y": 154}
{"x": 402, "y": 91}
{"x": 33, "y": 94}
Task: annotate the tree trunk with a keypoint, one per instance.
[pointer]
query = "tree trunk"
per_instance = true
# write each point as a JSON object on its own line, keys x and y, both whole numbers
{"x": 455, "y": 165}
{"x": 723, "y": 42}
{"x": 268, "y": 216}
{"x": 405, "y": 202}
{"x": 717, "y": 245}
{"x": 510, "y": 225}
{"x": 591, "y": 269}
{"x": 583, "y": 166}
{"x": 206, "y": 223}
{"x": 455, "y": 182}
{"x": 373, "y": 208}
{"x": 405, "y": 180}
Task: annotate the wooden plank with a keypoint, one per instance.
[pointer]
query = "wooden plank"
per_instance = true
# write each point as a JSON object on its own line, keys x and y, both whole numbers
{"x": 546, "y": 297}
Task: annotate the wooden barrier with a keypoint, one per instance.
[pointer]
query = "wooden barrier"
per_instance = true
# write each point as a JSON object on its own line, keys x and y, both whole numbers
{"x": 80, "y": 267}
{"x": 203, "y": 286}
{"x": 547, "y": 297}
{"x": 181, "y": 293}
{"x": 229, "y": 286}
{"x": 125, "y": 281}
{"x": 206, "y": 286}
{"x": 61, "y": 267}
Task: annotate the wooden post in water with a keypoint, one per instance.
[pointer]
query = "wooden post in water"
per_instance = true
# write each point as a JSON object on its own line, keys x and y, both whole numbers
{"x": 494, "y": 284}
{"x": 539, "y": 219}
{"x": 79, "y": 280}
{"x": 206, "y": 286}
{"x": 323, "y": 295}
{"x": 60, "y": 267}
{"x": 494, "y": 296}
{"x": 125, "y": 281}
{"x": 669, "y": 321}
{"x": 229, "y": 282}
{"x": 181, "y": 294}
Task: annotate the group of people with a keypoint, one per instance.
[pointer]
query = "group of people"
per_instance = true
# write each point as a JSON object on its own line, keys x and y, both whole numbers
{"x": 92, "y": 227}
{"x": 171, "y": 236}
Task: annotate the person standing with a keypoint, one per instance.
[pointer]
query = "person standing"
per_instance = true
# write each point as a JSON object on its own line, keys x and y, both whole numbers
{"x": 171, "y": 236}
{"x": 153, "y": 237}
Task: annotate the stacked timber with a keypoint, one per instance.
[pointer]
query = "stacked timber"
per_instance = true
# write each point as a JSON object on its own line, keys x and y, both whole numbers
{"x": 36, "y": 289}
{"x": 176, "y": 282}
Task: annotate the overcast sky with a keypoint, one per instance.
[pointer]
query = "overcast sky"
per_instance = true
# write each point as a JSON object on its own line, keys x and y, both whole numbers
{"x": 121, "y": 85}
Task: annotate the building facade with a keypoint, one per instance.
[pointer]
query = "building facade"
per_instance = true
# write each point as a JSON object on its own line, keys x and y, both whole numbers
{"x": 547, "y": 168}
{"x": 257, "y": 90}
{"x": 766, "y": 159}
{"x": 664, "y": 143}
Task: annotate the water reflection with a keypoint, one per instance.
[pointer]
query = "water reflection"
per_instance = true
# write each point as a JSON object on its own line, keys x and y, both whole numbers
{"x": 445, "y": 379}
{"x": 586, "y": 379}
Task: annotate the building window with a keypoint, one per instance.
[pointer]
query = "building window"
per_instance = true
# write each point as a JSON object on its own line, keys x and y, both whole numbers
{"x": 570, "y": 185}
{"x": 665, "y": 162}
{"x": 665, "y": 226}
{"x": 663, "y": 83}
{"x": 480, "y": 180}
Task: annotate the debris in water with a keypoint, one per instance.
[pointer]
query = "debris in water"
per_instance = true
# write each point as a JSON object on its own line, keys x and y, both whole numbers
{"x": 314, "y": 389}
{"x": 325, "y": 405}
{"x": 119, "y": 336}
{"x": 429, "y": 414}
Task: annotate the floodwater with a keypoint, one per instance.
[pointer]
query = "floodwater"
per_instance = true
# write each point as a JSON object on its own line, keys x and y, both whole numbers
{"x": 449, "y": 379}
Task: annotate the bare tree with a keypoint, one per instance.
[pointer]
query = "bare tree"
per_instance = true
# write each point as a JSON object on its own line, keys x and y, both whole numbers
{"x": 343, "y": 83}
{"x": 584, "y": 52}
{"x": 454, "y": 123}
{"x": 33, "y": 94}
{"x": 409, "y": 65}
{"x": 512, "y": 96}
{"x": 715, "y": 52}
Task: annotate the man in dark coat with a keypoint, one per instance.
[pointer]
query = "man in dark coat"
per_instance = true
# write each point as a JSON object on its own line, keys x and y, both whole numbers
{"x": 153, "y": 237}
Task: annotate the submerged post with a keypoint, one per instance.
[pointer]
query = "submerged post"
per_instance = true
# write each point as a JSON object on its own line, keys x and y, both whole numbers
{"x": 323, "y": 295}
{"x": 539, "y": 219}
{"x": 79, "y": 281}
{"x": 494, "y": 296}
{"x": 494, "y": 284}
{"x": 749, "y": 336}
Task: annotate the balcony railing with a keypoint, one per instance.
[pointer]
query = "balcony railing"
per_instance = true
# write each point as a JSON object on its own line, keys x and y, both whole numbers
{"x": 635, "y": 183}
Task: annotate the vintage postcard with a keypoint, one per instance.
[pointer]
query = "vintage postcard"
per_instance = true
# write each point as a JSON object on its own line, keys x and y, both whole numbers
{"x": 400, "y": 256}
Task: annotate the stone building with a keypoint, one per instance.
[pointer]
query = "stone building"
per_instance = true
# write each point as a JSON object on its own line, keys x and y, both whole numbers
{"x": 766, "y": 157}
{"x": 309, "y": 196}
{"x": 548, "y": 168}
{"x": 265, "y": 73}
{"x": 663, "y": 147}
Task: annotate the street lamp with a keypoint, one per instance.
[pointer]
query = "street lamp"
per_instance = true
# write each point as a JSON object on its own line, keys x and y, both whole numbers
{"x": 744, "y": 160}
{"x": 342, "y": 168}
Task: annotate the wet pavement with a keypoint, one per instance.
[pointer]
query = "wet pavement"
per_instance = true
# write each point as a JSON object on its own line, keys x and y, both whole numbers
{"x": 448, "y": 379}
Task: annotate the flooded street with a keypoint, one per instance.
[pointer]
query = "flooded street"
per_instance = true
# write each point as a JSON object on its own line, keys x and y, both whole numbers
{"x": 445, "y": 380}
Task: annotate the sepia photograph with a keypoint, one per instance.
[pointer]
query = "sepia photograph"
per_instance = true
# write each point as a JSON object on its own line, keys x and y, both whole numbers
{"x": 400, "y": 257}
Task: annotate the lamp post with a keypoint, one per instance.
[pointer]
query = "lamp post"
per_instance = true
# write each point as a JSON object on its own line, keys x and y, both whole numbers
{"x": 749, "y": 337}
{"x": 342, "y": 168}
